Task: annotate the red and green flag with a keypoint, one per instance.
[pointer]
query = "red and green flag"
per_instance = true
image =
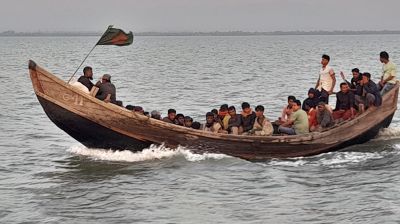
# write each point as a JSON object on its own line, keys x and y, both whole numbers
{"x": 114, "y": 36}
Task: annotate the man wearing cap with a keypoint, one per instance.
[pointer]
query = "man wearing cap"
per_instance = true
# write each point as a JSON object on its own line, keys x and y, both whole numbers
{"x": 106, "y": 90}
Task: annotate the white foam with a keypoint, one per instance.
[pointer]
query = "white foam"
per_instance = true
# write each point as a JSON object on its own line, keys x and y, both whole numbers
{"x": 332, "y": 159}
{"x": 154, "y": 152}
{"x": 389, "y": 133}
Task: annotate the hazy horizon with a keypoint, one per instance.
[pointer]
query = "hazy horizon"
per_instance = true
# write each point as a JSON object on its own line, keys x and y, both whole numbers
{"x": 199, "y": 16}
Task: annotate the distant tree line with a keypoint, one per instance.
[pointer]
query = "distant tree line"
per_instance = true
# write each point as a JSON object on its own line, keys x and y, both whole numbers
{"x": 216, "y": 33}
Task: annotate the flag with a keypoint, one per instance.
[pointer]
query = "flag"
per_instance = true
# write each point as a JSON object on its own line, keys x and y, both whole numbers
{"x": 114, "y": 36}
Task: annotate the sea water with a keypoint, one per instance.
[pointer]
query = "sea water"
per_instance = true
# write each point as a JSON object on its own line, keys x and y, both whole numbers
{"x": 48, "y": 177}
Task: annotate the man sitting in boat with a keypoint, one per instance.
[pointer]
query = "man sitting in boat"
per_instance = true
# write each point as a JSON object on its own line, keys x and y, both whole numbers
{"x": 248, "y": 117}
{"x": 262, "y": 126}
{"x": 211, "y": 125}
{"x": 297, "y": 123}
{"x": 370, "y": 95}
{"x": 188, "y": 121}
{"x": 287, "y": 110}
{"x": 86, "y": 77}
{"x": 355, "y": 81}
{"x": 324, "y": 117}
{"x": 235, "y": 121}
{"x": 179, "y": 120}
{"x": 388, "y": 79}
{"x": 326, "y": 81}
{"x": 155, "y": 114}
{"x": 345, "y": 102}
{"x": 170, "y": 118}
{"x": 224, "y": 116}
{"x": 107, "y": 90}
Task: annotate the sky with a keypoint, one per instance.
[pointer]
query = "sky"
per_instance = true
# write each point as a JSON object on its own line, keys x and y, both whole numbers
{"x": 198, "y": 15}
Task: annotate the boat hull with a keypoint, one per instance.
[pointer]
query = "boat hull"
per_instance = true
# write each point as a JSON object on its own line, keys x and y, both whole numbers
{"x": 97, "y": 124}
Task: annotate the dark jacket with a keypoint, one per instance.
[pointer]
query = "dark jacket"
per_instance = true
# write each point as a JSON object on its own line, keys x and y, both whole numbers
{"x": 372, "y": 88}
{"x": 86, "y": 82}
{"x": 344, "y": 101}
{"x": 235, "y": 121}
{"x": 104, "y": 90}
{"x": 310, "y": 102}
{"x": 248, "y": 121}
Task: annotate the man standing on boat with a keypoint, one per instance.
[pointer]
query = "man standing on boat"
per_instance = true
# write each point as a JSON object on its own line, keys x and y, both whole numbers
{"x": 388, "y": 79}
{"x": 86, "y": 77}
{"x": 327, "y": 80}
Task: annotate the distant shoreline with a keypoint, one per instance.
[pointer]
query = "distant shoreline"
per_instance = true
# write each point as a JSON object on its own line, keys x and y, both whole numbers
{"x": 217, "y": 33}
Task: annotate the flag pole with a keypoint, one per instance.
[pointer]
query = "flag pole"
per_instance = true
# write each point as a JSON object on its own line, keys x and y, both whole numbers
{"x": 82, "y": 63}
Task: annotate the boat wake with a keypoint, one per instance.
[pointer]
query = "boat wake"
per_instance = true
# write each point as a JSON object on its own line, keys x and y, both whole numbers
{"x": 389, "y": 133}
{"x": 337, "y": 159}
{"x": 154, "y": 152}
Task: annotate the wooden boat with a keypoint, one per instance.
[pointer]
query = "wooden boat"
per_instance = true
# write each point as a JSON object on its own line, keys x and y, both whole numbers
{"x": 98, "y": 124}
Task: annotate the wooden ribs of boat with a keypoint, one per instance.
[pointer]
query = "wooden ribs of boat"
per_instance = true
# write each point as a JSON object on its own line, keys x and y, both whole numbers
{"x": 98, "y": 124}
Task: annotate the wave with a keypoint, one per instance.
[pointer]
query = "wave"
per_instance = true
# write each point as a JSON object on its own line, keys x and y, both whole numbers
{"x": 336, "y": 159}
{"x": 389, "y": 133}
{"x": 154, "y": 152}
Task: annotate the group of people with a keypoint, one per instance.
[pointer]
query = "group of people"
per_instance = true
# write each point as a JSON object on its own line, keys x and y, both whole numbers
{"x": 353, "y": 98}
{"x": 315, "y": 114}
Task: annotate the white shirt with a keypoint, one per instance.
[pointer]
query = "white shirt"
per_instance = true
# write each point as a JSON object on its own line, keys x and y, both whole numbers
{"x": 325, "y": 79}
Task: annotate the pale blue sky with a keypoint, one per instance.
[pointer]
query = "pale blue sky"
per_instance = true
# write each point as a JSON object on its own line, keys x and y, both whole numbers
{"x": 199, "y": 15}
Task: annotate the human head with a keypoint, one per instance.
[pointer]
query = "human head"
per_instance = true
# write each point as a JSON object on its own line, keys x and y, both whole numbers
{"x": 246, "y": 107}
{"x": 180, "y": 118}
{"x": 232, "y": 111}
{"x": 210, "y": 117}
{"x": 88, "y": 72}
{"x": 106, "y": 78}
{"x": 259, "y": 111}
{"x": 365, "y": 77}
{"x": 188, "y": 121}
{"x": 344, "y": 87}
{"x": 223, "y": 108}
{"x": 325, "y": 60}
{"x": 155, "y": 114}
{"x": 356, "y": 73}
{"x": 196, "y": 125}
{"x": 130, "y": 107}
{"x": 321, "y": 106}
{"x": 311, "y": 93}
{"x": 384, "y": 57}
{"x": 291, "y": 99}
{"x": 171, "y": 114}
{"x": 296, "y": 105}
{"x": 138, "y": 109}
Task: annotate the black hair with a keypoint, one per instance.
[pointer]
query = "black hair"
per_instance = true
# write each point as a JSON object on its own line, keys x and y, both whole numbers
{"x": 324, "y": 56}
{"x": 188, "y": 118}
{"x": 224, "y": 107}
{"x": 291, "y": 98}
{"x": 196, "y": 125}
{"x": 232, "y": 108}
{"x": 214, "y": 111}
{"x": 130, "y": 107}
{"x": 355, "y": 70}
{"x": 298, "y": 102}
{"x": 209, "y": 114}
{"x": 245, "y": 105}
{"x": 179, "y": 115}
{"x": 171, "y": 111}
{"x": 87, "y": 68}
{"x": 259, "y": 108}
{"x": 366, "y": 74}
{"x": 342, "y": 84}
{"x": 384, "y": 55}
